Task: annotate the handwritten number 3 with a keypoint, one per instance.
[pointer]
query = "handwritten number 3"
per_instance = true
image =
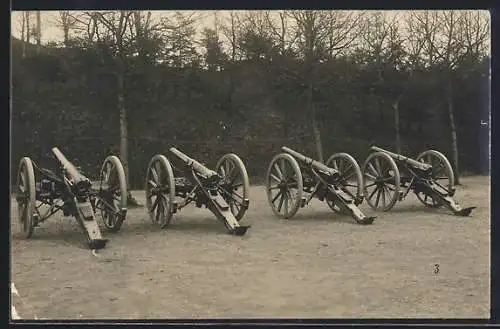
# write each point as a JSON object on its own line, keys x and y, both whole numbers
{"x": 436, "y": 268}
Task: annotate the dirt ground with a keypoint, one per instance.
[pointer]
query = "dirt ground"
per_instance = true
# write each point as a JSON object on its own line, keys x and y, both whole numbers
{"x": 316, "y": 265}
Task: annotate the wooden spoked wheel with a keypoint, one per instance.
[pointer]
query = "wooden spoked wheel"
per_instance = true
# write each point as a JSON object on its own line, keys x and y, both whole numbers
{"x": 442, "y": 174}
{"x": 160, "y": 190}
{"x": 235, "y": 183}
{"x": 350, "y": 178}
{"x": 112, "y": 193}
{"x": 284, "y": 185}
{"x": 381, "y": 181}
{"x": 26, "y": 196}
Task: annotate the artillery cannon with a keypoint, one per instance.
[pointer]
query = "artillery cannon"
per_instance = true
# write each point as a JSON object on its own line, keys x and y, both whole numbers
{"x": 389, "y": 177}
{"x": 291, "y": 175}
{"x": 224, "y": 192}
{"x": 74, "y": 194}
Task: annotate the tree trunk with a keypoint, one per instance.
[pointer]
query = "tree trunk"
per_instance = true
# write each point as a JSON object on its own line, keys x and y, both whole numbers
{"x": 395, "y": 106}
{"x": 28, "y": 27}
{"x": 454, "y": 142}
{"x": 123, "y": 124}
{"x": 66, "y": 35}
{"x": 38, "y": 31}
{"x": 120, "y": 77}
{"x": 23, "y": 36}
{"x": 314, "y": 124}
{"x": 138, "y": 32}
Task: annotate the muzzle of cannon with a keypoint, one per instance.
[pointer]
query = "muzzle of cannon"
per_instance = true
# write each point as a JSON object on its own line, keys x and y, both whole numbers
{"x": 80, "y": 182}
{"x": 308, "y": 161}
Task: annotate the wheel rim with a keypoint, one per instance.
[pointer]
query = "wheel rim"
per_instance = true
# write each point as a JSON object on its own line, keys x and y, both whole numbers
{"x": 160, "y": 191}
{"x": 284, "y": 185}
{"x": 25, "y": 195}
{"x": 235, "y": 183}
{"x": 112, "y": 190}
{"x": 381, "y": 181}
{"x": 350, "y": 178}
{"x": 442, "y": 174}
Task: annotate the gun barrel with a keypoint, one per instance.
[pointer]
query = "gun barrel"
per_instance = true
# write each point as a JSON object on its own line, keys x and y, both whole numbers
{"x": 198, "y": 167}
{"x": 399, "y": 157}
{"x": 73, "y": 173}
{"x": 316, "y": 164}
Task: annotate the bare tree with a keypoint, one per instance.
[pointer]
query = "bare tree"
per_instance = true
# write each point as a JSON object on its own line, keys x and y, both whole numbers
{"x": 109, "y": 30}
{"x": 28, "y": 26}
{"x": 278, "y": 28}
{"x": 320, "y": 35}
{"x": 38, "y": 31}
{"x": 67, "y": 21}
{"x": 23, "y": 34}
{"x": 449, "y": 37}
{"x": 382, "y": 45}
{"x": 231, "y": 31}
{"x": 474, "y": 33}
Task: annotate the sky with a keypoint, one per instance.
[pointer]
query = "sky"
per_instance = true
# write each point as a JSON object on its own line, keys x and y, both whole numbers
{"x": 51, "y": 32}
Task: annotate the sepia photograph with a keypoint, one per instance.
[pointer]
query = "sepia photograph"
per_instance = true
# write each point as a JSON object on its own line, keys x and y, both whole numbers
{"x": 250, "y": 164}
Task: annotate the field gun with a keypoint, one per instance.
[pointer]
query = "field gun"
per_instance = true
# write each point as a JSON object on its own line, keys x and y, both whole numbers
{"x": 389, "y": 177}
{"x": 224, "y": 192}
{"x": 74, "y": 194}
{"x": 293, "y": 179}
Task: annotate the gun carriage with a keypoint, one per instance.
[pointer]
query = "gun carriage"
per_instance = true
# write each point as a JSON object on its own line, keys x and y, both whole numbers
{"x": 74, "y": 194}
{"x": 170, "y": 186}
{"x": 293, "y": 179}
{"x": 389, "y": 177}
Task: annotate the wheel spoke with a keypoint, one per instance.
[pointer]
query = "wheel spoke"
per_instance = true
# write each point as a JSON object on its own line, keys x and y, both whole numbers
{"x": 378, "y": 166}
{"x": 222, "y": 170}
{"x": 237, "y": 176}
{"x": 227, "y": 167}
{"x": 229, "y": 175}
{"x": 155, "y": 176}
{"x": 389, "y": 187}
{"x": 277, "y": 196}
{"x": 152, "y": 183}
{"x": 286, "y": 203}
{"x": 159, "y": 211}
{"x": 371, "y": 194}
{"x": 155, "y": 203}
{"x": 273, "y": 176}
{"x": 159, "y": 173}
{"x": 283, "y": 169}
{"x": 281, "y": 201}
{"x": 164, "y": 204}
{"x": 372, "y": 169}
{"x": 370, "y": 176}
{"x": 278, "y": 170}
{"x": 378, "y": 197}
{"x": 348, "y": 173}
